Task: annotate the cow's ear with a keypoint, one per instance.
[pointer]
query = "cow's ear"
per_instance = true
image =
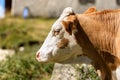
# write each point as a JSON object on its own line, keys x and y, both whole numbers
{"x": 68, "y": 26}
{"x": 90, "y": 10}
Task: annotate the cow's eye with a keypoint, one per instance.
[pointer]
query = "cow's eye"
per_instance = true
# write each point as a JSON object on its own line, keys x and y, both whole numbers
{"x": 56, "y": 32}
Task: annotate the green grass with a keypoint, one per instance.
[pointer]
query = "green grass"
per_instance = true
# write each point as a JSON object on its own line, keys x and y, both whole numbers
{"x": 87, "y": 73}
{"x": 23, "y": 65}
{"x": 14, "y": 31}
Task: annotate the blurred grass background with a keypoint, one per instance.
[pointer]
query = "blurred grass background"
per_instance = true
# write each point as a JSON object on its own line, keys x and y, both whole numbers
{"x": 17, "y": 32}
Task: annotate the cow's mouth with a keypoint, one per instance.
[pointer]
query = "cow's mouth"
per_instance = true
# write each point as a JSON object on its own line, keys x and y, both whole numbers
{"x": 45, "y": 60}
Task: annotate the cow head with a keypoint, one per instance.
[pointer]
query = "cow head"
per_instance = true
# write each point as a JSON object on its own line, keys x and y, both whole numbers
{"x": 60, "y": 44}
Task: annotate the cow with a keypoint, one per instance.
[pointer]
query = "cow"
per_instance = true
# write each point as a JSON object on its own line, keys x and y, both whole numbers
{"x": 93, "y": 34}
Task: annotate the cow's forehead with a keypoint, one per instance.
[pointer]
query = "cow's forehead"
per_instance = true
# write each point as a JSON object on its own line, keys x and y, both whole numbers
{"x": 57, "y": 25}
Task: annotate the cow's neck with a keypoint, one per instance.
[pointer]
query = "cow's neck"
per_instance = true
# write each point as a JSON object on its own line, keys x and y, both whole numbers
{"x": 101, "y": 35}
{"x": 92, "y": 53}
{"x": 103, "y": 41}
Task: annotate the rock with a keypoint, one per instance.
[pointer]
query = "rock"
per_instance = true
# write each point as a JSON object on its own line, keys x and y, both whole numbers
{"x": 74, "y": 72}
{"x": 6, "y": 52}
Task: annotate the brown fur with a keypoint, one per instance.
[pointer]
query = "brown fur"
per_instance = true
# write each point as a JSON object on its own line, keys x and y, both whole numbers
{"x": 99, "y": 35}
{"x": 103, "y": 34}
{"x": 63, "y": 43}
{"x": 88, "y": 47}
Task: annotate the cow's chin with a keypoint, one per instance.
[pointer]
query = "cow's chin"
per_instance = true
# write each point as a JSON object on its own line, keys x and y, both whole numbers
{"x": 56, "y": 58}
{"x": 61, "y": 59}
{"x": 45, "y": 60}
{"x": 62, "y": 55}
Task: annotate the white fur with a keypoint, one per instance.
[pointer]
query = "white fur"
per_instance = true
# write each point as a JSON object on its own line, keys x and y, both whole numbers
{"x": 49, "y": 50}
{"x": 118, "y": 73}
{"x": 66, "y": 12}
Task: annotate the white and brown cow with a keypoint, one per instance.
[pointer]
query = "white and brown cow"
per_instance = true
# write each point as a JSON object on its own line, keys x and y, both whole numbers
{"x": 96, "y": 35}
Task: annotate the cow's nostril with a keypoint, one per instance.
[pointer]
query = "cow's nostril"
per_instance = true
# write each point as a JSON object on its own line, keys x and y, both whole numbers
{"x": 38, "y": 55}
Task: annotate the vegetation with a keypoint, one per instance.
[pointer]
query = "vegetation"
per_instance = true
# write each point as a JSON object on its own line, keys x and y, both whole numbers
{"x": 24, "y": 66}
{"x": 87, "y": 73}
{"x": 17, "y": 32}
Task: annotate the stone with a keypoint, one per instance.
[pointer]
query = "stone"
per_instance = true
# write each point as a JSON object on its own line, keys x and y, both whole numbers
{"x": 74, "y": 72}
